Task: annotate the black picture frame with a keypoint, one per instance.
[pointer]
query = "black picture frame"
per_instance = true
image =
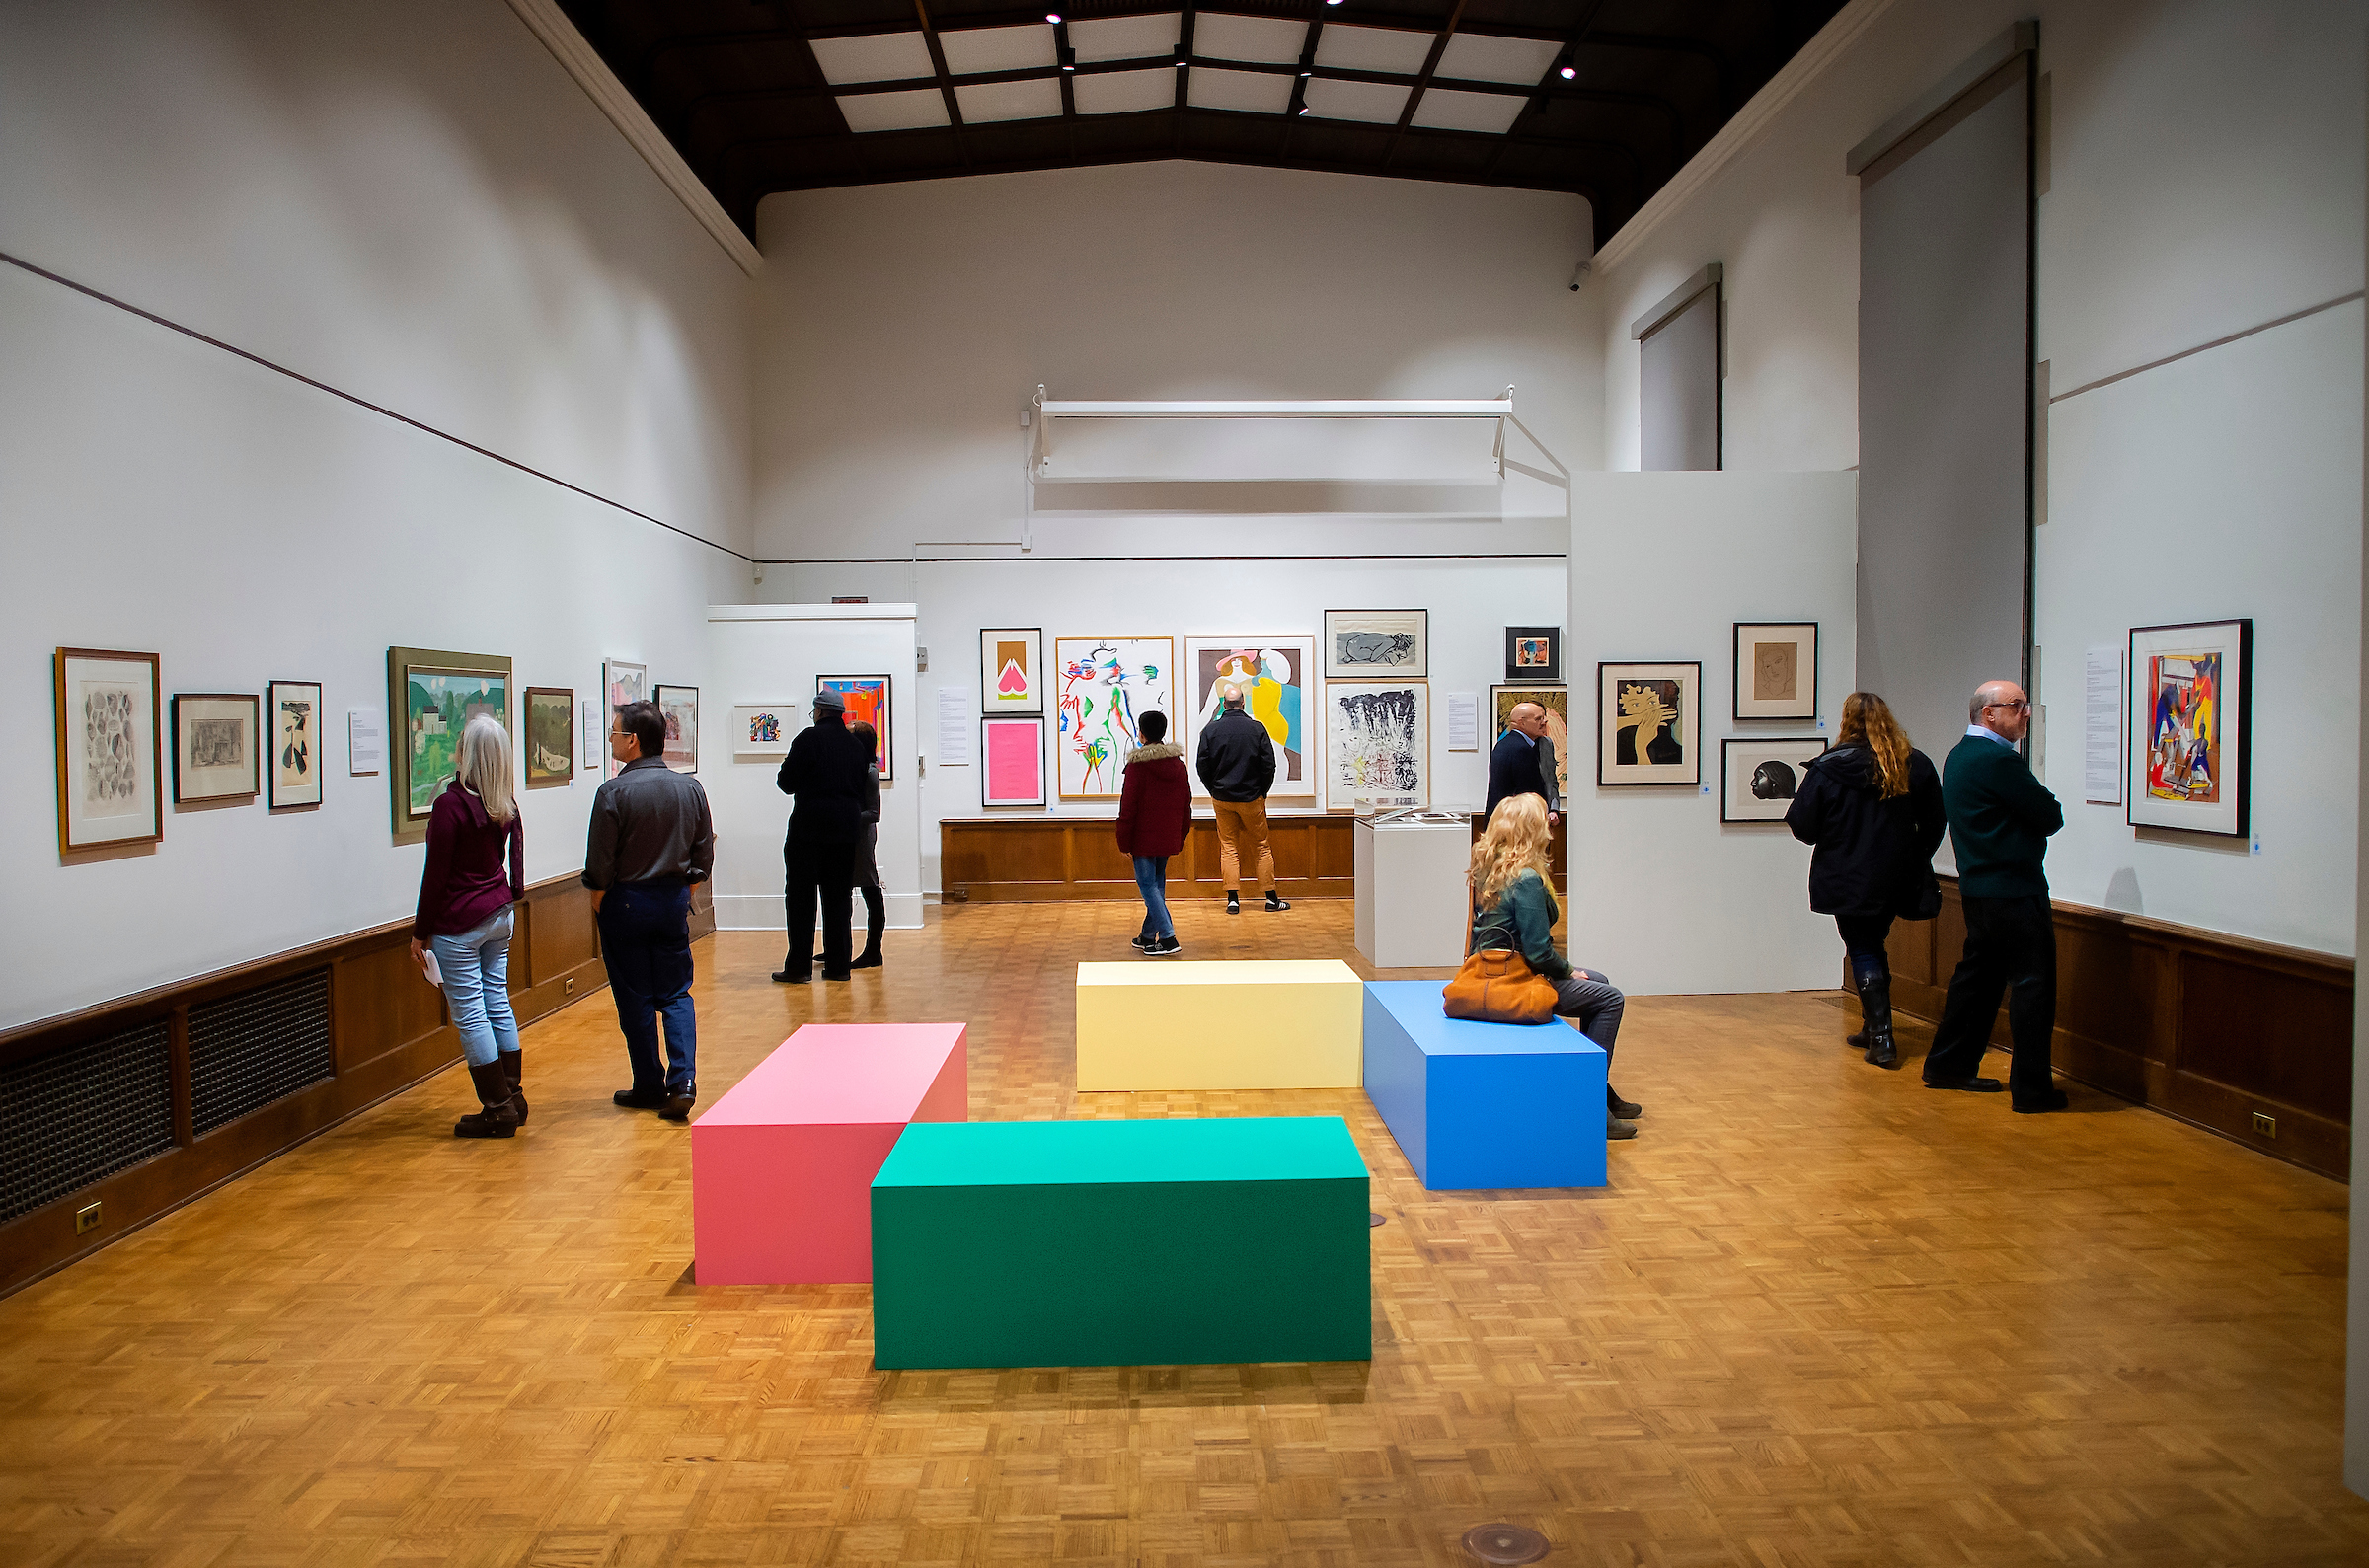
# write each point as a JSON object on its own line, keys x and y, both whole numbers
{"x": 1521, "y": 643}
{"x": 2233, "y": 640}
{"x": 1762, "y": 745}
{"x": 1805, "y": 706}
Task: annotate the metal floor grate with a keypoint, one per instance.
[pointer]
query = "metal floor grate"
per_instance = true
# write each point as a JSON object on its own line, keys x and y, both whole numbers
{"x": 259, "y": 1046}
{"x": 76, "y": 1116}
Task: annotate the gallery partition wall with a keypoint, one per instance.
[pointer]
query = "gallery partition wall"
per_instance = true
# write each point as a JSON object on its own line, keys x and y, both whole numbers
{"x": 1945, "y": 390}
{"x": 1680, "y": 347}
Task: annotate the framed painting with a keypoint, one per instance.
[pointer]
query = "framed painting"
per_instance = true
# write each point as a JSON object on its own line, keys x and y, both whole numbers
{"x": 620, "y": 683}
{"x": 867, "y": 699}
{"x": 1534, "y": 654}
{"x": 549, "y": 737}
{"x": 1377, "y": 744}
{"x": 214, "y": 752}
{"x": 679, "y": 707}
{"x": 763, "y": 730}
{"x": 2190, "y": 699}
{"x": 431, "y": 695}
{"x": 1377, "y": 644}
{"x": 1013, "y": 753}
{"x": 109, "y": 749}
{"x": 292, "y": 714}
{"x": 1762, "y": 777}
{"x": 1649, "y": 723}
{"x": 1776, "y": 669}
{"x": 1104, "y": 686}
{"x": 1557, "y": 700}
{"x": 1012, "y": 670}
{"x": 1277, "y": 680}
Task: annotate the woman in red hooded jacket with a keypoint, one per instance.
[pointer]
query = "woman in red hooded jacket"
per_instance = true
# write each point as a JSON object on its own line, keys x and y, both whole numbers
{"x": 1154, "y": 812}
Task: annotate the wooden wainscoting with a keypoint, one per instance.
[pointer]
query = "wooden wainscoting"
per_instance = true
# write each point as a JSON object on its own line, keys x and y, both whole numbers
{"x": 2206, "y": 1027}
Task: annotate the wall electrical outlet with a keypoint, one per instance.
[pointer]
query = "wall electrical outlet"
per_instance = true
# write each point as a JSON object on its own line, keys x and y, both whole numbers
{"x": 86, "y": 1219}
{"x": 2266, "y": 1126}
{"x": 570, "y": 988}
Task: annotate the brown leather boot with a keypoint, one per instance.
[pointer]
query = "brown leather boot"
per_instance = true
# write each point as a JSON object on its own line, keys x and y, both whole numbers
{"x": 493, "y": 1118}
{"x": 513, "y": 1068}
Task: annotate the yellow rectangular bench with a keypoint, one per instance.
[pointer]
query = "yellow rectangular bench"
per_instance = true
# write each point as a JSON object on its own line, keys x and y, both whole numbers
{"x": 1272, "y": 1023}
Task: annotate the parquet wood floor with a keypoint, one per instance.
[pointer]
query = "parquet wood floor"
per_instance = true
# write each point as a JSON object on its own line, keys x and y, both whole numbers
{"x": 1821, "y": 1316}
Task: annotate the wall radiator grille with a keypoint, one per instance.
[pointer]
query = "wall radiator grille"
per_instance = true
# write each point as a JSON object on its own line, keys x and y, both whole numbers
{"x": 259, "y": 1046}
{"x": 73, "y": 1117}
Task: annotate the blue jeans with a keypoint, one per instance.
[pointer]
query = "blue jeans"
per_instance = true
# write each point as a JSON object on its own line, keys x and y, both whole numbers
{"x": 1151, "y": 875}
{"x": 476, "y": 966}
{"x": 646, "y": 942}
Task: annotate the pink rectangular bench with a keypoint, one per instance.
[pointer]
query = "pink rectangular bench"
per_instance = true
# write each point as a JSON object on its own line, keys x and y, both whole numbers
{"x": 781, "y": 1166}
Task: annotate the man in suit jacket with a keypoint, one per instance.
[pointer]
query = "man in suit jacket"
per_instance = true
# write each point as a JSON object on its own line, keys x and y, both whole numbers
{"x": 825, "y": 773}
{"x": 2000, "y": 820}
{"x": 1523, "y": 761}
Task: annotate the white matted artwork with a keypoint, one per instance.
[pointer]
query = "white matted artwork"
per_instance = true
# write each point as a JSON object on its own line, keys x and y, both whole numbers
{"x": 762, "y": 730}
{"x": 1761, "y": 777}
{"x": 1377, "y": 744}
{"x": 679, "y": 705}
{"x": 107, "y": 723}
{"x": 292, "y": 711}
{"x": 2191, "y": 721}
{"x": 1104, "y": 686}
{"x": 1776, "y": 669}
{"x": 214, "y": 752}
{"x": 1010, "y": 670}
{"x": 1377, "y": 644}
{"x": 1277, "y": 679}
{"x": 621, "y": 682}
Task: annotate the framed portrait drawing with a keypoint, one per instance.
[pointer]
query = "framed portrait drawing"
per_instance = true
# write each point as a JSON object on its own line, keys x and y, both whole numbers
{"x": 1557, "y": 700}
{"x": 1012, "y": 670}
{"x": 214, "y": 754}
{"x": 1534, "y": 654}
{"x": 620, "y": 683}
{"x": 2190, "y": 699}
{"x": 293, "y": 734}
{"x": 549, "y": 737}
{"x": 679, "y": 707}
{"x": 763, "y": 730}
{"x": 1377, "y": 644}
{"x": 431, "y": 695}
{"x": 1011, "y": 751}
{"x": 867, "y": 699}
{"x": 1277, "y": 679}
{"x": 1760, "y": 777}
{"x": 1377, "y": 744}
{"x": 109, "y": 749}
{"x": 1104, "y": 685}
{"x": 1776, "y": 669}
{"x": 1649, "y": 723}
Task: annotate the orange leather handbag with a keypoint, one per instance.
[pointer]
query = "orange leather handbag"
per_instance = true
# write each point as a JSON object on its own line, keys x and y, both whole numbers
{"x": 1497, "y": 985}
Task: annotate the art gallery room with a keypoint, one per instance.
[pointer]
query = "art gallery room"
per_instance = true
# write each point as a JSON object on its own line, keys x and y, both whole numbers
{"x": 846, "y": 781}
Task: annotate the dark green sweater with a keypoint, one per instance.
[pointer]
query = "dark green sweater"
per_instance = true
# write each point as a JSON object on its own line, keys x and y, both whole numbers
{"x": 1523, "y": 920}
{"x": 2000, "y": 819}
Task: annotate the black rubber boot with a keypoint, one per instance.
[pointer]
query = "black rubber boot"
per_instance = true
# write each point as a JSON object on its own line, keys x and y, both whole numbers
{"x": 1875, "y": 1017}
{"x": 869, "y": 958}
{"x": 493, "y": 1117}
{"x": 513, "y": 1068}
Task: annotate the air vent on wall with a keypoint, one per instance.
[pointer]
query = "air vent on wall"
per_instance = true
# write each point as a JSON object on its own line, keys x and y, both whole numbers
{"x": 259, "y": 1046}
{"x": 73, "y": 1117}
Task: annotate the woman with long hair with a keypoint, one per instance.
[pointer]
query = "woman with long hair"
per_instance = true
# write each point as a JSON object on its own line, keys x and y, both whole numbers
{"x": 464, "y": 919}
{"x": 867, "y": 850}
{"x": 1872, "y": 806}
{"x": 1514, "y": 908}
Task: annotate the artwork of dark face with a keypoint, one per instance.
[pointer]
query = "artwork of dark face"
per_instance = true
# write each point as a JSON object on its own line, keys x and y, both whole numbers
{"x": 1773, "y": 780}
{"x": 1648, "y": 727}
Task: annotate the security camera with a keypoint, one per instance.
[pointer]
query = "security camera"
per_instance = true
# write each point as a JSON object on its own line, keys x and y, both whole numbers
{"x": 1579, "y": 274}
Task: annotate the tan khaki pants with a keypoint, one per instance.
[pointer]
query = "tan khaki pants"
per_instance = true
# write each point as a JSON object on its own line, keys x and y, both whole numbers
{"x": 1242, "y": 825}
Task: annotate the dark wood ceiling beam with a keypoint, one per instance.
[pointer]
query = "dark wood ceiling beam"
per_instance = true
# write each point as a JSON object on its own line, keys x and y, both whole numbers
{"x": 1305, "y": 69}
{"x": 1184, "y": 21}
{"x": 1067, "y": 66}
{"x": 1422, "y": 82}
{"x": 945, "y": 78}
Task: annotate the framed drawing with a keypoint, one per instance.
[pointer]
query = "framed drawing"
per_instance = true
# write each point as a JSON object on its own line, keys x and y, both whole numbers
{"x": 1557, "y": 700}
{"x": 107, "y": 749}
{"x": 292, "y": 719}
{"x": 620, "y": 683}
{"x": 1534, "y": 654}
{"x": 215, "y": 755}
{"x": 1378, "y": 743}
{"x": 1649, "y": 723}
{"x": 431, "y": 696}
{"x": 763, "y": 729}
{"x": 549, "y": 737}
{"x": 1762, "y": 777}
{"x": 1776, "y": 669}
{"x": 2192, "y": 721}
{"x": 1377, "y": 644}
{"x": 1277, "y": 676}
{"x": 1013, "y": 752}
{"x": 679, "y": 707}
{"x": 867, "y": 699}
{"x": 1012, "y": 671}
{"x": 1104, "y": 685}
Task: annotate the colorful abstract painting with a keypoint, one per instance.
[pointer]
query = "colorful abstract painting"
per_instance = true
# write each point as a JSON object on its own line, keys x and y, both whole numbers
{"x": 867, "y": 699}
{"x": 1010, "y": 670}
{"x": 1557, "y": 700}
{"x": 1378, "y": 743}
{"x": 763, "y": 730}
{"x": 1105, "y": 686}
{"x": 1275, "y": 676}
{"x": 2190, "y": 702}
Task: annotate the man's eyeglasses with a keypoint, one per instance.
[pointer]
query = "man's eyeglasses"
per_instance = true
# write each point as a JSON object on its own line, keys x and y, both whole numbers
{"x": 2021, "y": 704}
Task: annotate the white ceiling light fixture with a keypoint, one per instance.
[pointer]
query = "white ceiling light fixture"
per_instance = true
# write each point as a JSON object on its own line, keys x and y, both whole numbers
{"x": 1126, "y": 37}
{"x": 1477, "y": 57}
{"x": 1375, "y": 101}
{"x": 1355, "y": 49}
{"x": 914, "y": 110}
{"x": 1123, "y": 91}
{"x": 1222, "y": 36}
{"x": 978, "y": 49}
{"x": 988, "y": 102}
{"x": 1245, "y": 92}
{"x": 873, "y": 58}
{"x": 1489, "y": 114}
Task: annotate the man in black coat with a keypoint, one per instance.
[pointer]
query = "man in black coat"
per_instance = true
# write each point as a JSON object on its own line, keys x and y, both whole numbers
{"x": 1237, "y": 764}
{"x": 1523, "y": 761}
{"x": 826, "y": 773}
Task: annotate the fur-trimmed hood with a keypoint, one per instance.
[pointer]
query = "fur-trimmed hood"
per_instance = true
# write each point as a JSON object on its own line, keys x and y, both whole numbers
{"x": 1156, "y": 753}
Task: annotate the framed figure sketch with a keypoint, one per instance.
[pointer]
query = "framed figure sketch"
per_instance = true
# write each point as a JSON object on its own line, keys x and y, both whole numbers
{"x": 2190, "y": 727}
{"x": 549, "y": 737}
{"x": 214, "y": 748}
{"x": 1760, "y": 777}
{"x": 1776, "y": 669}
{"x": 292, "y": 732}
{"x": 1377, "y": 644}
{"x": 1649, "y": 723}
{"x": 1534, "y": 654}
{"x": 1012, "y": 670}
{"x": 679, "y": 707}
{"x": 107, "y": 749}
{"x": 431, "y": 695}
{"x": 1276, "y": 678}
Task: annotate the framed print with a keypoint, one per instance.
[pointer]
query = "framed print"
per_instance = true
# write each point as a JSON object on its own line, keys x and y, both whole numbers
{"x": 215, "y": 755}
{"x": 1649, "y": 723}
{"x": 292, "y": 732}
{"x": 1534, "y": 654}
{"x": 1104, "y": 685}
{"x": 549, "y": 737}
{"x": 2192, "y": 721}
{"x": 1377, "y": 644}
{"x": 1277, "y": 678}
{"x": 1012, "y": 671}
{"x": 679, "y": 707}
{"x": 1557, "y": 700}
{"x": 1762, "y": 777}
{"x": 867, "y": 699}
{"x": 1012, "y": 751}
{"x": 107, "y": 749}
{"x": 1776, "y": 669}
{"x": 1377, "y": 744}
{"x": 620, "y": 683}
{"x": 763, "y": 729}
{"x": 431, "y": 695}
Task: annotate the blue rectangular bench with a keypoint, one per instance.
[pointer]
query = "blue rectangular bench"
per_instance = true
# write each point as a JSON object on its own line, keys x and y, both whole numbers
{"x": 1483, "y": 1105}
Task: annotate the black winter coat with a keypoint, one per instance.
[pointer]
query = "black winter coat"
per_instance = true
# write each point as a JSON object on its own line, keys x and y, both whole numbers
{"x": 1872, "y": 855}
{"x": 827, "y": 772}
{"x": 1236, "y": 759}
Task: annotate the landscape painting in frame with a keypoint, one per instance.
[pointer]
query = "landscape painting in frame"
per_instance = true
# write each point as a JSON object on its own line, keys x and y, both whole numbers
{"x": 763, "y": 730}
{"x": 1105, "y": 685}
{"x": 620, "y": 683}
{"x": 1557, "y": 700}
{"x": 1649, "y": 723}
{"x": 1013, "y": 750}
{"x": 867, "y": 699}
{"x": 1012, "y": 670}
{"x": 549, "y": 737}
{"x": 1776, "y": 669}
{"x": 1378, "y": 744}
{"x": 431, "y": 695}
{"x": 679, "y": 705}
{"x": 293, "y": 718}
{"x": 1760, "y": 777}
{"x": 1377, "y": 644}
{"x": 1276, "y": 675}
{"x": 109, "y": 716}
{"x": 2191, "y": 721}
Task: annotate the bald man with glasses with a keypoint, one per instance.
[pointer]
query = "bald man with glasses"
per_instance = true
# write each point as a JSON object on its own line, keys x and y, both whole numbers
{"x": 2000, "y": 821}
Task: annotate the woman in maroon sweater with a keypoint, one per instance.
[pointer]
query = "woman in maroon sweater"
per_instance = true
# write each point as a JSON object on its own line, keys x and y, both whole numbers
{"x": 1154, "y": 812}
{"x": 464, "y": 919}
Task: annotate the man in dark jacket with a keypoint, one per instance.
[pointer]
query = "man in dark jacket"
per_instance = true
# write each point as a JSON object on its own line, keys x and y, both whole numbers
{"x": 1236, "y": 765}
{"x": 1522, "y": 763}
{"x": 826, "y": 773}
{"x": 2000, "y": 820}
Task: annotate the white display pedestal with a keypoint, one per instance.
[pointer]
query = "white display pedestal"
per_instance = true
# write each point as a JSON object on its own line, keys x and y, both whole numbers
{"x": 1411, "y": 893}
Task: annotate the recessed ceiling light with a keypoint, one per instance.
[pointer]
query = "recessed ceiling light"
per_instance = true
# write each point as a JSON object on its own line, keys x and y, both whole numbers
{"x": 1569, "y": 71}
{"x": 1303, "y": 106}
{"x": 1054, "y": 17}
{"x": 1304, "y": 75}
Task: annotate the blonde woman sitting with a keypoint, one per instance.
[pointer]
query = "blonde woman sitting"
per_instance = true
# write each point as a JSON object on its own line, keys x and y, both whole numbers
{"x": 1514, "y": 908}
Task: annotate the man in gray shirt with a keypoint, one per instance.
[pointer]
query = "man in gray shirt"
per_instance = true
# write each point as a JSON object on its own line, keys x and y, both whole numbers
{"x": 652, "y": 837}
